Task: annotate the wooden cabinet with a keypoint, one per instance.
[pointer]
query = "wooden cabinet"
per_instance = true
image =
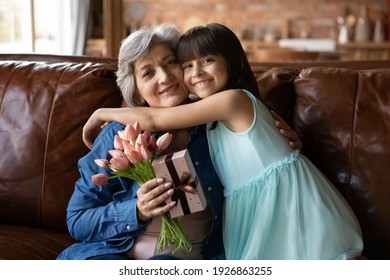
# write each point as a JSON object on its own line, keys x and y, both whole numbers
{"x": 348, "y": 51}
{"x": 364, "y": 51}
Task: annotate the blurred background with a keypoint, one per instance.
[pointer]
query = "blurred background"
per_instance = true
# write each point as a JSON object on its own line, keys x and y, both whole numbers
{"x": 319, "y": 29}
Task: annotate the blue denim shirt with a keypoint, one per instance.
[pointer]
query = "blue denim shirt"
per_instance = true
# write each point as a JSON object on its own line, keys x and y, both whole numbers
{"x": 105, "y": 218}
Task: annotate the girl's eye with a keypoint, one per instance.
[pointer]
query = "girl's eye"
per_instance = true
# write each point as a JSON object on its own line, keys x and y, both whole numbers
{"x": 187, "y": 66}
{"x": 207, "y": 60}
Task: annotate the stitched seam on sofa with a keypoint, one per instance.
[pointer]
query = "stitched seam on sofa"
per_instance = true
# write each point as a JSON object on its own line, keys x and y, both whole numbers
{"x": 352, "y": 140}
{"x": 11, "y": 74}
{"x": 46, "y": 146}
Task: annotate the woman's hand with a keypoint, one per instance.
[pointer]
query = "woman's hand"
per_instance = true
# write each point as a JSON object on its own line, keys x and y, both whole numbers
{"x": 286, "y": 131}
{"x": 151, "y": 199}
{"x": 92, "y": 128}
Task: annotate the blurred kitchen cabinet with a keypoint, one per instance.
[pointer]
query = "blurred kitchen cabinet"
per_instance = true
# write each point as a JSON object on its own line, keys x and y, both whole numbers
{"x": 365, "y": 51}
{"x": 346, "y": 51}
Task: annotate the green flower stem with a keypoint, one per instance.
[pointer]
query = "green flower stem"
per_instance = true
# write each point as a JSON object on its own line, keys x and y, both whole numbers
{"x": 171, "y": 231}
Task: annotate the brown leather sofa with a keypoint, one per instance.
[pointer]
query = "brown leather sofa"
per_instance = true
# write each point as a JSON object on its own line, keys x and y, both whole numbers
{"x": 341, "y": 111}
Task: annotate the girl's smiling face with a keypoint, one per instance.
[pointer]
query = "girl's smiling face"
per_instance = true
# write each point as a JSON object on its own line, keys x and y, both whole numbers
{"x": 159, "y": 78}
{"x": 206, "y": 75}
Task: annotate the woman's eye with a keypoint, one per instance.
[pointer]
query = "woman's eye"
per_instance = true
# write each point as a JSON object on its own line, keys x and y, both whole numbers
{"x": 146, "y": 74}
{"x": 172, "y": 61}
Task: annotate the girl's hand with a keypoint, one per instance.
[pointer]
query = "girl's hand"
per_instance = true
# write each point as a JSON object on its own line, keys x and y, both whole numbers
{"x": 91, "y": 129}
{"x": 151, "y": 199}
{"x": 286, "y": 131}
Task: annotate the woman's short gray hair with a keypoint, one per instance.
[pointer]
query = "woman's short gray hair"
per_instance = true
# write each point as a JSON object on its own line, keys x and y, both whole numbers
{"x": 135, "y": 47}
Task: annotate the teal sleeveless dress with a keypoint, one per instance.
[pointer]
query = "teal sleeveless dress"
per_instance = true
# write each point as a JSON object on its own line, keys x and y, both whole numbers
{"x": 278, "y": 205}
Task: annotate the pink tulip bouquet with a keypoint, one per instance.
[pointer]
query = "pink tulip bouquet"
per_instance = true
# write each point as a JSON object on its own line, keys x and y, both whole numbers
{"x": 132, "y": 158}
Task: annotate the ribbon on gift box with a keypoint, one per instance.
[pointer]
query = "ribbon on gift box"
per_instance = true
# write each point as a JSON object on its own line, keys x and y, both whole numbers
{"x": 185, "y": 180}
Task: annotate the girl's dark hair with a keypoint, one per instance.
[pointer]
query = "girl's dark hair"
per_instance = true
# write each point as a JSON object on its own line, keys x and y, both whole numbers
{"x": 217, "y": 39}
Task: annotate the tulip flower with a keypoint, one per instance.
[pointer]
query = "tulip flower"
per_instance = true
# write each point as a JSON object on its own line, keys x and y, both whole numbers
{"x": 146, "y": 154}
{"x": 146, "y": 135}
{"x": 164, "y": 141}
{"x": 118, "y": 143}
{"x": 137, "y": 147}
{"x": 132, "y": 158}
{"x": 121, "y": 134}
{"x": 137, "y": 128}
{"x": 127, "y": 133}
{"x": 119, "y": 164}
{"x": 134, "y": 131}
{"x": 102, "y": 162}
{"x": 116, "y": 153}
{"x": 127, "y": 146}
{"x": 140, "y": 139}
{"x": 100, "y": 179}
{"x": 152, "y": 143}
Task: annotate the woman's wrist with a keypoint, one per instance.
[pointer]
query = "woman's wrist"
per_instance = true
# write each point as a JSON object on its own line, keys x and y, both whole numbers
{"x": 142, "y": 219}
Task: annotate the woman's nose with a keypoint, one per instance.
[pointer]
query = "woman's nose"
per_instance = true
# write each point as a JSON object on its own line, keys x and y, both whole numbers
{"x": 164, "y": 75}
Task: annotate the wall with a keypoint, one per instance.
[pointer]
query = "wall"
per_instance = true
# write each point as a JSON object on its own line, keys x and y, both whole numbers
{"x": 254, "y": 19}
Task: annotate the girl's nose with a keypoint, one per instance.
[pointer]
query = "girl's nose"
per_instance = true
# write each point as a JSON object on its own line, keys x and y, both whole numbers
{"x": 197, "y": 71}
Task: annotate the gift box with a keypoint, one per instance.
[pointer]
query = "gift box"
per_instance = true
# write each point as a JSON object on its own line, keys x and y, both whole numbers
{"x": 178, "y": 168}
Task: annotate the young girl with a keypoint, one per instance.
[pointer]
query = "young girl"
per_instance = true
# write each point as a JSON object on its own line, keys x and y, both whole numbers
{"x": 278, "y": 205}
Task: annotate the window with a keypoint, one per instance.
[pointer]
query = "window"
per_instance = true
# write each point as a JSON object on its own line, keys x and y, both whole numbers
{"x": 39, "y": 26}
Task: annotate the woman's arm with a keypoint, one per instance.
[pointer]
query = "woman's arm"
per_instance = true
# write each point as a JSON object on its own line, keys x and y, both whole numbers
{"x": 286, "y": 131}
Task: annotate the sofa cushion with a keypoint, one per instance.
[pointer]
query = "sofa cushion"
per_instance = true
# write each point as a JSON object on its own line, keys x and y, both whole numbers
{"x": 44, "y": 106}
{"x": 276, "y": 86}
{"x": 343, "y": 118}
{"x": 21, "y": 243}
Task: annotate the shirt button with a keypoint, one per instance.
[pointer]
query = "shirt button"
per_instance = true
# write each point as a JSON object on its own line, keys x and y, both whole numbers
{"x": 215, "y": 217}
{"x": 196, "y": 162}
{"x": 209, "y": 189}
{"x": 128, "y": 227}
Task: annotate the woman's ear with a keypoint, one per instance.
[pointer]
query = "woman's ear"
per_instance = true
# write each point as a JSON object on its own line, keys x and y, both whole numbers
{"x": 139, "y": 98}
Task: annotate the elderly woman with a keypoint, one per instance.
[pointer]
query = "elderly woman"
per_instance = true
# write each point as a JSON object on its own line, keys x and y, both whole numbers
{"x": 122, "y": 220}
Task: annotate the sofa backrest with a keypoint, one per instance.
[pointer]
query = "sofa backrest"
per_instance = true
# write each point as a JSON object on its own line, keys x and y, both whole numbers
{"x": 44, "y": 103}
{"x": 342, "y": 113}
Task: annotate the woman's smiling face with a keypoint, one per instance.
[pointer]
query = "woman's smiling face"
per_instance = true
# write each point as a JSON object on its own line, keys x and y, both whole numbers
{"x": 159, "y": 78}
